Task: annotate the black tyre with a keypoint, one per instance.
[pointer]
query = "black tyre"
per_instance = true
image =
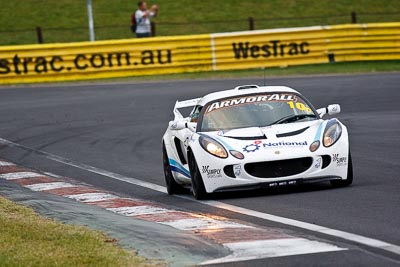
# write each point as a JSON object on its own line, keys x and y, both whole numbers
{"x": 198, "y": 188}
{"x": 349, "y": 180}
{"x": 172, "y": 186}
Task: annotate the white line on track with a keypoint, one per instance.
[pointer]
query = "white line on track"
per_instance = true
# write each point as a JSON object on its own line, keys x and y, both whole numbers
{"x": 49, "y": 186}
{"x": 92, "y": 197}
{"x": 259, "y": 249}
{"x": 19, "y": 175}
{"x": 203, "y": 223}
{"x": 138, "y": 210}
{"x": 5, "y": 163}
{"x": 53, "y": 175}
{"x": 371, "y": 242}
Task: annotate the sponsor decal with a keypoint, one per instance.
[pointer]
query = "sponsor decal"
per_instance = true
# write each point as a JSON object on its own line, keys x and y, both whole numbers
{"x": 237, "y": 170}
{"x": 251, "y": 148}
{"x": 283, "y": 183}
{"x": 250, "y": 99}
{"x": 340, "y": 161}
{"x": 259, "y": 144}
{"x": 283, "y": 144}
{"x": 271, "y": 49}
{"x": 23, "y": 65}
{"x": 211, "y": 173}
{"x": 318, "y": 162}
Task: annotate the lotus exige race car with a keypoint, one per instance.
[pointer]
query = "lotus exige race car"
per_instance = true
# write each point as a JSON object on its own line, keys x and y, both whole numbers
{"x": 254, "y": 137}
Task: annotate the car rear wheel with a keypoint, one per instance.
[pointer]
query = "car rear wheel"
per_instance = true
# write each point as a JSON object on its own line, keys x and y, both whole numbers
{"x": 198, "y": 188}
{"x": 172, "y": 186}
{"x": 349, "y": 180}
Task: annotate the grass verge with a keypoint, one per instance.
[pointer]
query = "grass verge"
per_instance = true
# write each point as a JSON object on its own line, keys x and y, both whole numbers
{"x": 27, "y": 239}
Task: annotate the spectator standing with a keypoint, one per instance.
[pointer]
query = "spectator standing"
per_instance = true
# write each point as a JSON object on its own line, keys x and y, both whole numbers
{"x": 142, "y": 16}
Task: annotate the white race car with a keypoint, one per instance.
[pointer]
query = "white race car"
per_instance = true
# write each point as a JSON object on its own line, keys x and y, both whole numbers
{"x": 254, "y": 137}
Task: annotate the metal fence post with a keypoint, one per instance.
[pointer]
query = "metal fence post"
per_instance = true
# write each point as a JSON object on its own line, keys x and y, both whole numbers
{"x": 251, "y": 23}
{"x": 90, "y": 19}
{"x": 353, "y": 17}
{"x": 39, "y": 35}
{"x": 153, "y": 28}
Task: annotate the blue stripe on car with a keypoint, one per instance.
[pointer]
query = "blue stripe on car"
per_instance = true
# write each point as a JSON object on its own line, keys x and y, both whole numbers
{"x": 318, "y": 134}
{"x": 176, "y": 167}
{"x": 219, "y": 140}
{"x": 319, "y": 131}
{"x": 330, "y": 122}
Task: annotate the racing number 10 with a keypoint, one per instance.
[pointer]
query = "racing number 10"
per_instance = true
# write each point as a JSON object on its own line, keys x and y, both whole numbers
{"x": 299, "y": 106}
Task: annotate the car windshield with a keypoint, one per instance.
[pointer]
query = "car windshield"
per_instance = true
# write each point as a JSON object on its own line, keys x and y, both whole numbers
{"x": 257, "y": 110}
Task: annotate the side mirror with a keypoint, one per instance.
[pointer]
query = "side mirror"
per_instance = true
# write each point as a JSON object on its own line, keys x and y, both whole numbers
{"x": 330, "y": 110}
{"x": 180, "y": 125}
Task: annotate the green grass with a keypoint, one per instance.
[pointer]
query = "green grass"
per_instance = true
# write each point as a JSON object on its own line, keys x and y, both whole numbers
{"x": 27, "y": 239}
{"x": 191, "y": 17}
{"x": 257, "y": 74}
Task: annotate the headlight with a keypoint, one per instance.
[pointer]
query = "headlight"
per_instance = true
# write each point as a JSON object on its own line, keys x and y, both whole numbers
{"x": 332, "y": 134}
{"x": 236, "y": 154}
{"x": 314, "y": 146}
{"x": 213, "y": 147}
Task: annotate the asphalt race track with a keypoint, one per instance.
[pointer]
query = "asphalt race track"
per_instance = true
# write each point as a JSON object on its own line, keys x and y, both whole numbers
{"x": 118, "y": 128}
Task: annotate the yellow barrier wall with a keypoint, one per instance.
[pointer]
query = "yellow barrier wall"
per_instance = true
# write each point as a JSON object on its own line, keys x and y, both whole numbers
{"x": 104, "y": 59}
{"x": 222, "y": 51}
{"x": 307, "y": 45}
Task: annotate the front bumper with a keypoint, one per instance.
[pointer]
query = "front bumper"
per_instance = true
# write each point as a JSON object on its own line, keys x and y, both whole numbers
{"x": 216, "y": 177}
{"x": 267, "y": 185}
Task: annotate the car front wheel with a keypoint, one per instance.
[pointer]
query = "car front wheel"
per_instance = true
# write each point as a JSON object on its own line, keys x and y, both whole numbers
{"x": 198, "y": 188}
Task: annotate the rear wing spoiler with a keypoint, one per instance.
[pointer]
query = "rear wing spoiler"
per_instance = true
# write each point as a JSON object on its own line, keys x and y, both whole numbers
{"x": 184, "y": 104}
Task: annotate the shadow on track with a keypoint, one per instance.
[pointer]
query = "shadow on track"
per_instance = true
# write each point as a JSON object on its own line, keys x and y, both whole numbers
{"x": 298, "y": 189}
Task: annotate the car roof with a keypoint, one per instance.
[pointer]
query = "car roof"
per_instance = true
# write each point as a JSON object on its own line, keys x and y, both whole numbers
{"x": 244, "y": 90}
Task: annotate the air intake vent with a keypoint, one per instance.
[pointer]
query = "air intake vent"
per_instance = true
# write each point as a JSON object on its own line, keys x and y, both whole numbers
{"x": 326, "y": 160}
{"x": 292, "y": 133}
{"x": 247, "y": 137}
{"x": 279, "y": 168}
{"x": 244, "y": 87}
{"x": 229, "y": 171}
